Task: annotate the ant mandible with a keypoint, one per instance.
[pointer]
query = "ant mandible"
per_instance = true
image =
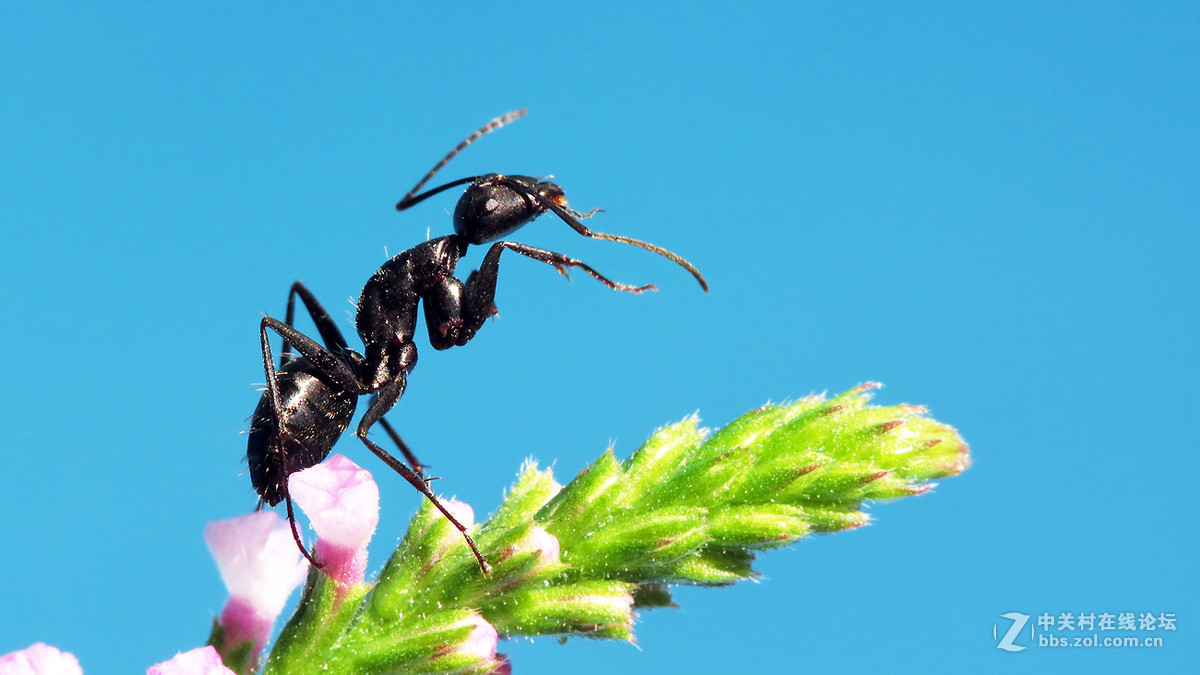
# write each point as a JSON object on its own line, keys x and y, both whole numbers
{"x": 311, "y": 399}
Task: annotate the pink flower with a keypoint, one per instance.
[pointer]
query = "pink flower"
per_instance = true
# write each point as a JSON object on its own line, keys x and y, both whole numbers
{"x": 461, "y": 511}
{"x": 537, "y": 541}
{"x": 39, "y": 659}
{"x": 200, "y": 661}
{"x": 479, "y": 646}
{"x": 342, "y": 503}
{"x": 544, "y": 543}
{"x": 504, "y": 666}
{"x": 261, "y": 567}
{"x": 482, "y": 640}
{"x": 448, "y": 536}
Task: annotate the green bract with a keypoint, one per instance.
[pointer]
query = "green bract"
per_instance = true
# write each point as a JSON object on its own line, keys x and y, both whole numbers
{"x": 687, "y": 507}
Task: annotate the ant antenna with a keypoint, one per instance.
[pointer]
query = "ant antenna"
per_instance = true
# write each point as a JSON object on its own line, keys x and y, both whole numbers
{"x": 495, "y": 124}
{"x": 669, "y": 255}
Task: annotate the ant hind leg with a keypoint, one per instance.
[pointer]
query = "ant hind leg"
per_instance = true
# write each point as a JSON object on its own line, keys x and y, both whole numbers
{"x": 387, "y": 398}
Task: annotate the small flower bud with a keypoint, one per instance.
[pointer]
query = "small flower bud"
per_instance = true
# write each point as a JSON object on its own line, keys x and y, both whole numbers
{"x": 601, "y": 609}
{"x": 454, "y": 641}
{"x": 477, "y": 650}
{"x": 531, "y": 492}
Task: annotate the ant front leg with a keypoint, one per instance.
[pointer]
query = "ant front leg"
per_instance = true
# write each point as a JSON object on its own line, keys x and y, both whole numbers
{"x": 387, "y": 397}
{"x": 444, "y": 314}
{"x": 480, "y": 300}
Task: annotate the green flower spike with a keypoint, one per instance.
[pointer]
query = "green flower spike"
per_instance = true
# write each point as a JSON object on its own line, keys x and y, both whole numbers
{"x": 687, "y": 507}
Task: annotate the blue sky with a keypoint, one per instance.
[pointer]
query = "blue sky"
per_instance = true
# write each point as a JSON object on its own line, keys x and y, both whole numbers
{"x": 989, "y": 207}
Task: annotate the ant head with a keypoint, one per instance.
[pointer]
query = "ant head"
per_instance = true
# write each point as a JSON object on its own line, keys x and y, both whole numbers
{"x": 549, "y": 192}
{"x": 496, "y": 205}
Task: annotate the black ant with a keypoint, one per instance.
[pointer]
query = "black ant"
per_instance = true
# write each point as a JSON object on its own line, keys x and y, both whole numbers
{"x": 310, "y": 399}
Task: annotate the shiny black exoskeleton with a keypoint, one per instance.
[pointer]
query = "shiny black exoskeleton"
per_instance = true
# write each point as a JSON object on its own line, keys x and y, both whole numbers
{"x": 311, "y": 399}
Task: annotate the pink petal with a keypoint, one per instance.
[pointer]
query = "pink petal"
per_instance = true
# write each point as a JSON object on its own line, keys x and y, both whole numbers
{"x": 482, "y": 640}
{"x": 340, "y": 498}
{"x": 461, "y": 511}
{"x": 200, "y": 661}
{"x": 342, "y": 503}
{"x": 505, "y": 666}
{"x": 261, "y": 566}
{"x": 258, "y": 559}
{"x": 244, "y": 622}
{"x": 40, "y": 659}
{"x": 543, "y": 542}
